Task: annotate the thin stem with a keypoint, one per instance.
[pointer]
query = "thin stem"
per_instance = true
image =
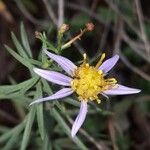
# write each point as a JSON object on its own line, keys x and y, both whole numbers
{"x": 29, "y": 16}
{"x": 141, "y": 23}
{"x": 60, "y": 12}
{"x": 50, "y": 12}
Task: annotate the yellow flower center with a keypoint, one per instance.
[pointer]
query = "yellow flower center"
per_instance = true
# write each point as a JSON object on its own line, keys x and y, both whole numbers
{"x": 88, "y": 81}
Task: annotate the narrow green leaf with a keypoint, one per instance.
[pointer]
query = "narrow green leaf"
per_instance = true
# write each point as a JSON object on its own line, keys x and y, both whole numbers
{"x": 66, "y": 129}
{"x": 5, "y": 136}
{"x": 46, "y": 87}
{"x": 25, "y": 41}
{"x": 47, "y": 144}
{"x": 29, "y": 122}
{"x": 40, "y": 117}
{"x": 35, "y": 62}
{"x": 3, "y": 129}
{"x": 27, "y": 131}
{"x": 47, "y": 44}
{"x": 51, "y": 47}
{"x": 8, "y": 134}
{"x": 57, "y": 147}
{"x": 10, "y": 96}
{"x": 72, "y": 101}
{"x": 14, "y": 139}
{"x": 19, "y": 48}
{"x": 7, "y": 89}
{"x": 19, "y": 58}
{"x": 12, "y": 80}
{"x": 30, "y": 85}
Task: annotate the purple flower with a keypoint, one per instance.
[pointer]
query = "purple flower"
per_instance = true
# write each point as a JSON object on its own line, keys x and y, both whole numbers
{"x": 86, "y": 81}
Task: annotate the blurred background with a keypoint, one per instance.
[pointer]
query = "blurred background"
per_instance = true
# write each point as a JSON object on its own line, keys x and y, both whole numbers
{"x": 121, "y": 26}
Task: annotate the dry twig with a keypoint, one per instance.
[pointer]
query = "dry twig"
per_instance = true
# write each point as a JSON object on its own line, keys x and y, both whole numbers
{"x": 123, "y": 58}
{"x": 141, "y": 23}
{"x": 60, "y": 12}
{"x": 112, "y": 132}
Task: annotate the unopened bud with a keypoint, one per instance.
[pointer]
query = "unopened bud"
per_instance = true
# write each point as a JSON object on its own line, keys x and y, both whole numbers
{"x": 89, "y": 26}
{"x": 37, "y": 34}
{"x": 64, "y": 28}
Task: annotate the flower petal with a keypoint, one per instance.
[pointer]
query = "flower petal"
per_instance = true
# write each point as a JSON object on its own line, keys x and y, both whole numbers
{"x": 109, "y": 64}
{"x": 54, "y": 77}
{"x": 60, "y": 94}
{"x": 121, "y": 90}
{"x": 80, "y": 119}
{"x": 65, "y": 63}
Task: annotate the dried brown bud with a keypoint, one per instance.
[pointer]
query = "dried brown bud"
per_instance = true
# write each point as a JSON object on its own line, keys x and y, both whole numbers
{"x": 37, "y": 34}
{"x": 64, "y": 28}
{"x": 89, "y": 26}
{"x": 2, "y": 6}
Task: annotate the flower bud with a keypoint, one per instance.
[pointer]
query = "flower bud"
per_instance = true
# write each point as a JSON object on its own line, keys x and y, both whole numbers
{"x": 89, "y": 26}
{"x": 64, "y": 28}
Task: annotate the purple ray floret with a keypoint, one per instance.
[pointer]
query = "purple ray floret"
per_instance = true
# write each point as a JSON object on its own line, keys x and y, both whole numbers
{"x": 65, "y": 63}
{"x": 60, "y": 94}
{"x": 80, "y": 119}
{"x": 109, "y": 64}
{"x": 54, "y": 77}
{"x": 121, "y": 90}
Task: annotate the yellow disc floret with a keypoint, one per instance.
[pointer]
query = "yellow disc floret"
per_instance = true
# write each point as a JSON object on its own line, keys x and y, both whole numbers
{"x": 88, "y": 82}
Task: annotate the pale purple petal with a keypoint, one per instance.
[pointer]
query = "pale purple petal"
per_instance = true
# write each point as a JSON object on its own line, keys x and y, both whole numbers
{"x": 54, "y": 77}
{"x": 121, "y": 90}
{"x": 80, "y": 118}
{"x": 109, "y": 64}
{"x": 60, "y": 94}
{"x": 65, "y": 63}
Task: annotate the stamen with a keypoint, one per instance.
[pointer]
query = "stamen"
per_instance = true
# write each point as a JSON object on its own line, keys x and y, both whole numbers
{"x": 85, "y": 60}
{"x": 115, "y": 86}
{"x": 100, "y": 61}
{"x": 84, "y": 57}
{"x": 87, "y": 65}
{"x": 105, "y": 95}
{"x": 111, "y": 80}
{"x": 89, "y": 82}
{"x": 98, "y": 101}
{"x": 100, "y": 72}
